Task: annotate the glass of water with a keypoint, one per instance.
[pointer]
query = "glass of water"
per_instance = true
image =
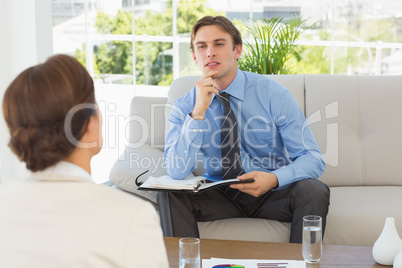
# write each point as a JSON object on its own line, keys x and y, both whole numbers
{"x": 312, "y": 238}
{"x": 189, "y": 252}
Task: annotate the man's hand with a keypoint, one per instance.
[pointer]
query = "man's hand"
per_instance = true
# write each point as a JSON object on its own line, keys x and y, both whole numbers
{"x": 263, "y": 182}
{"x": 204, "y": 89}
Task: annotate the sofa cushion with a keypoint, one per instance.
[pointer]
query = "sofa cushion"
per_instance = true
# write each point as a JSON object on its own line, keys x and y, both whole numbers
{"x": 354, "y": 120}
{"x": 357, "y": 214}
{"x": 246, "y": 229}
{"x": 354, "y": 218}
{"x": 333, "y": 113}
{"x": 381, "y": 116}
{"x": 132, "y": 163}
{"x": 144, "y": 146}
{"x": 146, "y": 122}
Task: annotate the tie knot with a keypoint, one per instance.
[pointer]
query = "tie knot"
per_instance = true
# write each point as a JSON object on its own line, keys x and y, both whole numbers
{"x": 224, "y": 99}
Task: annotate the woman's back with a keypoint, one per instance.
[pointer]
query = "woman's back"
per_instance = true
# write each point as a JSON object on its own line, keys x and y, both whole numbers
{"x": 65, "y": 220}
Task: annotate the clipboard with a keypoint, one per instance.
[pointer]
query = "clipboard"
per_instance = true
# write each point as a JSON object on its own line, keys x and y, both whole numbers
{"x": 189, "y": 184}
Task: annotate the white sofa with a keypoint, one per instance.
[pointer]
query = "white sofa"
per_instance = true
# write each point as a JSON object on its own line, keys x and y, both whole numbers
{"x": 357, "y": 122}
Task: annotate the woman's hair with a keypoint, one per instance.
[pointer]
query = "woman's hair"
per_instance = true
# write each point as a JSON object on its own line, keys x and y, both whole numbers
{"x": 36, "y": 105}
{"x": 224, "y": 23}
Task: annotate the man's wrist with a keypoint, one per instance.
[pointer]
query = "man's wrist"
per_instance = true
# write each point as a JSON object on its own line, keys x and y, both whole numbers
{"x": 197, "y": 117}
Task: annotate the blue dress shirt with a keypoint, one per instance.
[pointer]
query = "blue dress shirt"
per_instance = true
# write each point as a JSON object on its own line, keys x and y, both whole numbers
{"x": 269, "y": 123}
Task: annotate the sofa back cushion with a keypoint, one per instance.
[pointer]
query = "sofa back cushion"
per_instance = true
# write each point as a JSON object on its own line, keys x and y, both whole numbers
{"x": 147, "y": 122}
{"x": 333, "y": 113}
{"x": 381, "y": 123}
{"x": 356, "y": 122}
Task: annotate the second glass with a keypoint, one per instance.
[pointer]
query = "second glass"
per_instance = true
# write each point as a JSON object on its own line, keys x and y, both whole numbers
{"x": 312, "y": 238}
{"x": 189, "y": 251}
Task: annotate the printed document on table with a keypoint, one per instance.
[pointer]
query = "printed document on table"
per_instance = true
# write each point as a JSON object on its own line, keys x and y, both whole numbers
{"x": 218, "y": 262}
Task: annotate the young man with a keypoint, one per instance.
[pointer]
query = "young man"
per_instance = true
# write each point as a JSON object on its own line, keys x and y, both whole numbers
{"x": 267, "y": 121}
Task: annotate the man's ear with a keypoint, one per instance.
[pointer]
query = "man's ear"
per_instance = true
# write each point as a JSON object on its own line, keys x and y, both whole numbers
{"x": 195, "y": 58}
{"x": 238, "y": 50}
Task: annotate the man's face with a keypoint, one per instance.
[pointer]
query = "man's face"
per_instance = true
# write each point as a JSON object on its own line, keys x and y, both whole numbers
{"x": 213, "y": 50}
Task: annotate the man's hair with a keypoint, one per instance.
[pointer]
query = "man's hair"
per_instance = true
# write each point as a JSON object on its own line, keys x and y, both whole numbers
{"x": 224, "y": 23}
{"x": 36, "y": 105}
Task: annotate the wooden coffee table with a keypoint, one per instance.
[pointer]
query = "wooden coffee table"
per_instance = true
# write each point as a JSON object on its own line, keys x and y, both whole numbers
{"x": 333, "y": 256}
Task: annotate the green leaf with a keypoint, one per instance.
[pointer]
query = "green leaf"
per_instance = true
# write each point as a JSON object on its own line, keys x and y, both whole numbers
{"x": 273, "y": 41}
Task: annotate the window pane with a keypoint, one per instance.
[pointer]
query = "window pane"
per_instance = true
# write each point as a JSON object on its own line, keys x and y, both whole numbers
{"x": 65, "y": 10}
{"x": 187, "y": 64}
{"x": 109, "y": 22}
{"x": 311, "y": 60}
{"x": 153, "y": 17}
{"x": 392, "y": 61}
{"x": 360, "y": 21}
{"x": 317, "y": 60}
{"x": 69, "y": 25}
{"x": 154, "y": 63}
{"x": 113, "y": 62}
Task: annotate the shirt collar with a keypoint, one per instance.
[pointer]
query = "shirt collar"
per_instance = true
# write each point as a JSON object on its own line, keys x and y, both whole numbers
{"x": 236, "y": 88}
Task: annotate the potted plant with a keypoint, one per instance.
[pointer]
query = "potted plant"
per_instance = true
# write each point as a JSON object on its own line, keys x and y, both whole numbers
{"x": 269, "y": 44}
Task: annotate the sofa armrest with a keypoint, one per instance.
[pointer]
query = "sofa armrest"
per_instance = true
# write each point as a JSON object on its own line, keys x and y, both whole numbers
{"x": 132, "y": 163}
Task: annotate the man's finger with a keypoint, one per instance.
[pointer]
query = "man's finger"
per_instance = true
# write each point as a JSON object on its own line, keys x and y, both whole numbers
{"x": 210, "y": 73}
{"x": 215, "y": 90}
{"x": 246, "y": 176}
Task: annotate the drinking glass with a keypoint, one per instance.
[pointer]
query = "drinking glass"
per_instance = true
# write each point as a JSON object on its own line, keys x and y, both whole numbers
{"x": 189, "y": 252}
{"x": 312, "y": 238}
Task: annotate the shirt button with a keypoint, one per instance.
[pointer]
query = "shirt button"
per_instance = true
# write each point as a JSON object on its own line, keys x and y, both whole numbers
{"x": 185, "y": 151}
{"x": 194, "y": 130}
{"x": 200, "y": 130}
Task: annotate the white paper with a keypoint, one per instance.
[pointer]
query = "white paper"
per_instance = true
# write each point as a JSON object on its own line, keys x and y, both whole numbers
{"x": 191, "y": 183}
{"x": 169, "y": 183}
{"x": 209, "y": 263}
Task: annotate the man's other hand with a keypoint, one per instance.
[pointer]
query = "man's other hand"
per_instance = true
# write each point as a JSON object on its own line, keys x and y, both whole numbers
{"x": 263, "y": 182}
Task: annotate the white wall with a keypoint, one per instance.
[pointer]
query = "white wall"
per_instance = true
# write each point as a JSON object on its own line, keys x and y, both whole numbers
{"x": 25, "y": 40}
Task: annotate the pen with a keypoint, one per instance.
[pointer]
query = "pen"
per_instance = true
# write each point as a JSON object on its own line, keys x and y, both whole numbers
{"x": 228, "y": 266}
{"x": 272, "y": 265}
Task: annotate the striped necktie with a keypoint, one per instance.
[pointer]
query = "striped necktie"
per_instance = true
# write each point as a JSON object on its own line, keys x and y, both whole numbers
{"x": 231, "y": 160}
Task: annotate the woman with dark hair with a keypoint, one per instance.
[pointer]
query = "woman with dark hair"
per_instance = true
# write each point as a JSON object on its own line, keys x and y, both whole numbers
{"x": 59, "y": 217}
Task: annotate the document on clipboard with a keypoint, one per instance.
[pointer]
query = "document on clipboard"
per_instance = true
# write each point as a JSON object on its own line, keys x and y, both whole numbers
{"x": 190, "y": 184}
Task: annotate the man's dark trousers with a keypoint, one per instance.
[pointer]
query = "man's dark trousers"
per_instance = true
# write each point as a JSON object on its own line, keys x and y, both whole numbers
{"x": 180, "y": 211}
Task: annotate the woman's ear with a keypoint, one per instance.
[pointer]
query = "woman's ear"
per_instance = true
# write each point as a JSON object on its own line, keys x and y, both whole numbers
{"x": 92, "y": 137}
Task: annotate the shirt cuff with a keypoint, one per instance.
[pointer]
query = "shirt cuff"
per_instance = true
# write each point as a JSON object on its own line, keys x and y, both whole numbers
{"x": 284, "y": 176}
{"x": 194, "y": 130}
